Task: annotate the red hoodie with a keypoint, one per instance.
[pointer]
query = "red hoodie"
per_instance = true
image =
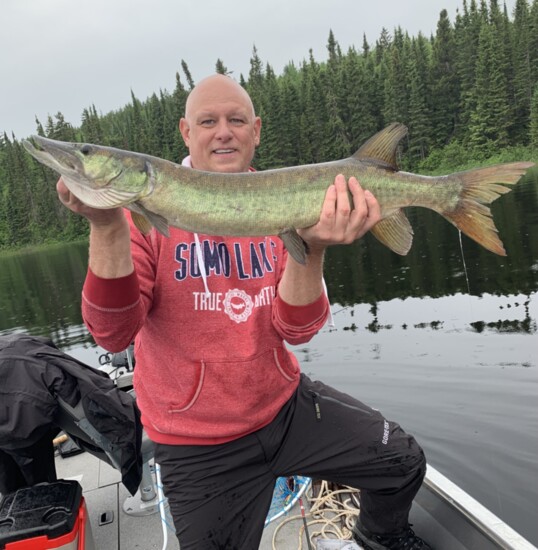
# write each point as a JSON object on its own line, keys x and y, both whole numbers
{"x": 213, "y": 367}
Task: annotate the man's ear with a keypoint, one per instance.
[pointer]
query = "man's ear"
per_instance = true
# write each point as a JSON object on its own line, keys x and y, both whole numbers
{"x": 257, "y": 130}
{"x": 185, "y": 130}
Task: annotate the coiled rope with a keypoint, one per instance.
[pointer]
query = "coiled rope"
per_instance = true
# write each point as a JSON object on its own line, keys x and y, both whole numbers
{"x": 333, "y": 510}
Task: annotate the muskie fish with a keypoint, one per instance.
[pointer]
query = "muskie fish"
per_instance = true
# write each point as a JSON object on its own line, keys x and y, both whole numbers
{"x": 277, "y": 202}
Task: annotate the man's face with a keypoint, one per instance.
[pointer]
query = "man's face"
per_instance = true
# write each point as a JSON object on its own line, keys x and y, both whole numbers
{"x": 219, "y": 127}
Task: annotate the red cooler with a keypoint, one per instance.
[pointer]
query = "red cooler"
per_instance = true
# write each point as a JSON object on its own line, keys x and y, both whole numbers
{"x": 45, "y": 516}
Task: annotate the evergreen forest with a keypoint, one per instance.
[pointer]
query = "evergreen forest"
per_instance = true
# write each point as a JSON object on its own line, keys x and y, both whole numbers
{"x": 468, "y": 94}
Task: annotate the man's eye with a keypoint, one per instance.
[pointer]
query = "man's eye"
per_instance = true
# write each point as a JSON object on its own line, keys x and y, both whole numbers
{"x": 237, "y": 121}
{"x": 207, "y": 122}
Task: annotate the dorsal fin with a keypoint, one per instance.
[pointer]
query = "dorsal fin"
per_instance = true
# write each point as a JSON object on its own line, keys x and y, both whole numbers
{"x": 383, "y": 145}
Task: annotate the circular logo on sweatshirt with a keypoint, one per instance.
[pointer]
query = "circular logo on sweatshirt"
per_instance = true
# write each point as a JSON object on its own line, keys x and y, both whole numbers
{"x": 238, "y": 305}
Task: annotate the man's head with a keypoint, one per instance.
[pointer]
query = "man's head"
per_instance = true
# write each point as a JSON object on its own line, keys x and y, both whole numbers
{"x": 220, "y": 127}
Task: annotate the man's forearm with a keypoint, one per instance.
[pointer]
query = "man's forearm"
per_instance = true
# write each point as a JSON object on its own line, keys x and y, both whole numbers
{"x": 302, "y": 284}
{"x": 110, "y": 249}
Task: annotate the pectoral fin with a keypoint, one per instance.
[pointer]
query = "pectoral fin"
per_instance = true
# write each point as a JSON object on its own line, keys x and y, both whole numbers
{"x": 296, "y": 247}
{"x": 141, "y": 223}
{"x": 395, "y": 232}
{"x": 144, "y": 219}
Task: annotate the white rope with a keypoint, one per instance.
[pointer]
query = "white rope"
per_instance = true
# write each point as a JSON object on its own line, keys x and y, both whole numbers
{"x": 332, "y": 517}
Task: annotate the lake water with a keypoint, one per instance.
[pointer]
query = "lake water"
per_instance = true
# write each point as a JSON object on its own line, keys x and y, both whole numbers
{"x": 444, "y": 341}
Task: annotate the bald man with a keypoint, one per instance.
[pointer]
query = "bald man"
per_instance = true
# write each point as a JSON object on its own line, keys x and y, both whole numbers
{"x": 220, "y": 394}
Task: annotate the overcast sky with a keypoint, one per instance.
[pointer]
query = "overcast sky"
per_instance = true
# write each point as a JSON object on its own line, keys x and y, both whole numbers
{"x": 65, "y": 55}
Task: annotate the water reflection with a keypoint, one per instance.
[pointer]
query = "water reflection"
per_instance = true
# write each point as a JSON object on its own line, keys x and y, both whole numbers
{"x": 40, "y": 293}
{"x": 517, "y": 313}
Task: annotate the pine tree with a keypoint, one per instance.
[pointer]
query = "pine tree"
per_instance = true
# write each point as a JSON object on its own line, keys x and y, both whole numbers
{"x": 361, "y": 112}
{"x": 255, "y": 82}
{"x": 91, "y": 126}
{"x": 533, "y": 41}
{"x": 314, "y": 119}
{"x": 395, "y": 108}
{"x": 39, "y": 128}
{"x": 444, "y": 83}
{"x": 503, "y": 90}
{"x": 522, "y": 67}
{"x": 155, "y": 126}
{"x": 419, "y": 124}
{"x": 490, "y": 120}
{"x": 466, "y": 36}
{"x": 187, "y": 74}
{"x": 382, "y": 45}
{"x": 59, "y": 129}
{"x": 336, "y": 144}
{"x": 138, "y": 133}
{"x": 291, "y": 116}
{"x": 534, "y": 119}
{"x": 220, "y": 68}
{"x": 19, "y": 201}
{"x": 336, "y": 141}
{"x": 174, "y": 141}
{"x": 269, "y": 152}
{"x": 335, "y": 55}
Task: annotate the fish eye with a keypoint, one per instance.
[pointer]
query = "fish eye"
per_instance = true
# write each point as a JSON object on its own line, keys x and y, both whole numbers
{"x": 85, "y": 149}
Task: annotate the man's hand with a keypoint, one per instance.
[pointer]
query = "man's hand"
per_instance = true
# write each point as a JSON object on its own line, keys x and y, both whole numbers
{"x": 96, "y": 217}
{"x": 339, "y": 223}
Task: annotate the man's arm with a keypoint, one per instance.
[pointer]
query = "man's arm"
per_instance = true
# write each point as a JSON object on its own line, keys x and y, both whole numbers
{"x": 112, "y": 308}
{"x": 338, "y": 224}
{"x": 110, "y": 243}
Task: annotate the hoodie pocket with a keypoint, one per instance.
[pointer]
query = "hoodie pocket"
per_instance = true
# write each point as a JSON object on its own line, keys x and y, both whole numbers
{"x": 232, "y": 397}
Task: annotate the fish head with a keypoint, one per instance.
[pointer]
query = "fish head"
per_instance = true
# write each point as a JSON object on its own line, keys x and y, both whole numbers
{"x": 101, "y": 177}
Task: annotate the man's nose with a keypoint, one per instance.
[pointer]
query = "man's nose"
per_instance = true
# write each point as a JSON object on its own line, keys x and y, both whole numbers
{"x": 224, "y": 130}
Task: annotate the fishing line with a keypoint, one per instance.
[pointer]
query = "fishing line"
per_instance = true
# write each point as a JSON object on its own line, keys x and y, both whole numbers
{"x": 464, "y": 264}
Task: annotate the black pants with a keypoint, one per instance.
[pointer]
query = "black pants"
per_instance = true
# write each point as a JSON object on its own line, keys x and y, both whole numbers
{"x": 220, "y": 494}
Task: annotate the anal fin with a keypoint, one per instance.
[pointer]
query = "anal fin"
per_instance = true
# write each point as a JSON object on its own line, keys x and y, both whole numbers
{"x": 395, "y": 232}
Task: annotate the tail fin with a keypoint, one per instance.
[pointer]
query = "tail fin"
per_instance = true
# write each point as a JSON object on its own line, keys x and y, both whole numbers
{"x": 480, "y": 188}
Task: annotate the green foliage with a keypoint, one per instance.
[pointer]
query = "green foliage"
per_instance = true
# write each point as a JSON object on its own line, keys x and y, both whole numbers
{"x": 534, "y": 119}
{"x": 456, "y": 157}
{"x": 468, "y": 94}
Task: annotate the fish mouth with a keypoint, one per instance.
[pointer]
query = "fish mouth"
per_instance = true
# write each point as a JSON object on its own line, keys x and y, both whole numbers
{"x": 57, "y": 155}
